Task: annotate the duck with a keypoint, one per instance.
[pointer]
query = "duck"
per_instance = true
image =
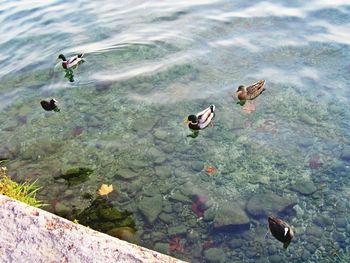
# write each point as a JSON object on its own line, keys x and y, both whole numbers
{"x": 71, "y": 62}
{"x": 281, "y": 230}
{"x": 201, "y": 120}
{"x": 50, "y": 105}
{"x": 251, "y": 92}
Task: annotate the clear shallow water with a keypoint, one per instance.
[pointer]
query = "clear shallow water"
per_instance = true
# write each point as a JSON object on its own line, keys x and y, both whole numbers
{"x": 148, "y": 65}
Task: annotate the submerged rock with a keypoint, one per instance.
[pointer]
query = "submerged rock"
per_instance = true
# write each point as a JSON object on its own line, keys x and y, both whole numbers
{"x": 265, "y": 204}
{"x": 230, "y": 216}
{"x": 151, "y": 207}
{"x": 215, "y": 255}
{"x": 177, "y": 230}
{"x": 304, "y": 187}
{"x": 124, "y": 233}
{"x": 126, "y": 174}
{"x": 345, "y": 154}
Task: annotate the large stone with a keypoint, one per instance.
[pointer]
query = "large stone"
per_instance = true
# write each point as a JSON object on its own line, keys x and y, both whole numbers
{"x": 345, "y": 154}
{"x": 215, "y": 255}
{"x": 265, "y": 204}
{"x": 126, "y": 174}
{"x": 151, "y": 207}
{"x": 177, "y": 230}
{"x": 305, "y": 187}
{"x": 230, "y": 215}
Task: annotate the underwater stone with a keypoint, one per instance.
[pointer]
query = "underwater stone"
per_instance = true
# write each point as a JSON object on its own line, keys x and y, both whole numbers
{"x": 166, "y": 218}
{"x": 158, "y": 235}
{"x": 314, "y": 231}
{"x": 345, "y": 154}
{"x": 124, "y": 233}
{"x": 323, "y": 221}
{"x": 167, "y": 208}
{"x": 230, "y": 216}
{"x": 177, "y": 230}
{"x": 265, "y": 204}
{"x": 179, "y": 197}
{"x": 197, "y": 166}
{"x": 215, "y": 255}
{"x": 162, "y": 247}
{"x": 151, "y": 207}
{"x": 209, "y": 215}
{"x": 163, "y": 171}
{"x": 160, "y": 134}
{"x": 340, "y": 222}
{"x": 305, "y": 187}
{"x": 126, "y": 174}
{"x": 61, "y": 209}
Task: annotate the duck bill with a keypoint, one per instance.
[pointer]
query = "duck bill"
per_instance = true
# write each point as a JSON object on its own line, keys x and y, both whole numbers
{"x": 186, "y": 121}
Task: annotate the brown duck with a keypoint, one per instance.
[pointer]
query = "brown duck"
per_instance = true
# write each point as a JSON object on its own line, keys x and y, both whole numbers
{"x": 281, "y": 230}
{"x": 249, "y": 93}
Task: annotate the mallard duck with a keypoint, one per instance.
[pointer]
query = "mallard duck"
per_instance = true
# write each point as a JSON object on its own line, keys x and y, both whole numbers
{"x": 50, "y": 105}
{"x": 72, "y": 62}
{"x": 201, "y": 120}
{"x": 249, "y": 93}
{"x": 281, "y": 230}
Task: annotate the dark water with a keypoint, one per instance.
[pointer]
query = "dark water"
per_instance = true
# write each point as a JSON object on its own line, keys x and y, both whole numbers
{"x": 151, "y": 63}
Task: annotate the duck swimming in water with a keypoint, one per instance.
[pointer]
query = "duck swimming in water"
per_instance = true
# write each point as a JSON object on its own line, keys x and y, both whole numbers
{"x": 71, "y": 62}
{"x": 249, "y": 93}
{"x": 50, "y": 105}
{"x": 201, "y": 120}
{"x": 281, "y": 230}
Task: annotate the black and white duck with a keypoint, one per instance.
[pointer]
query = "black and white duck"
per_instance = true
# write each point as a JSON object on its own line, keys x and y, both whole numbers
{"x": 281, "y": 230}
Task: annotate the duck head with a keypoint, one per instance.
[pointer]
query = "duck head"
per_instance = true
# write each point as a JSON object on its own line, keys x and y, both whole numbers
{"x": 61, "y": 56}
{"x": 241, "y": 92}
{"x": 192, "y": 119}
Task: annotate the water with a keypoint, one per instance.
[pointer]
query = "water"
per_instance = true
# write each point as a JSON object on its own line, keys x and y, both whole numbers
{"x": 148, "y": 65}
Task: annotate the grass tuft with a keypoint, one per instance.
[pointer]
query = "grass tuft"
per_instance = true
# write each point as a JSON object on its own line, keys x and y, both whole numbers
{"x": 25, "y": 192}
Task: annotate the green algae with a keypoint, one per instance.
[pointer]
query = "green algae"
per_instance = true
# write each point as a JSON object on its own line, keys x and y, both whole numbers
{"x": 75, "y": 175}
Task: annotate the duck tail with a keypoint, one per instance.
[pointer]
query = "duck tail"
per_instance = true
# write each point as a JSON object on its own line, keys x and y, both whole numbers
{"x": 80, "y": 55}
{"x": 212, "y": 108}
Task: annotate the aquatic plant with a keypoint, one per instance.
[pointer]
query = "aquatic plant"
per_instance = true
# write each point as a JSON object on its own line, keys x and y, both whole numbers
{"x": 24, "y": 192}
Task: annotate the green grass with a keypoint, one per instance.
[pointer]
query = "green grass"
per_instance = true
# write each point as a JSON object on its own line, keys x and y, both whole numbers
{"x": 24, "y": 192}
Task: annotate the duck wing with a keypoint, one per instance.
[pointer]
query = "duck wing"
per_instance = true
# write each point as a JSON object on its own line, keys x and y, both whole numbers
{"x": 255, "y": 90}
{"x": 205, "y": 117}
{"x": 73, "y": 61}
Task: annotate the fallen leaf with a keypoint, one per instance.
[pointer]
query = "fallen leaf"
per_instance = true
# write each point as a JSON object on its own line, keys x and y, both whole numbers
{"x": 105, "y": 189}
{"x": 211, "y": 169}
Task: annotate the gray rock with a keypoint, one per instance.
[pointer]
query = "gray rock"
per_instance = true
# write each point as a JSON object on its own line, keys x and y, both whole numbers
{"x": 265, "y": 204}
{"x": 151, "y": 207}
{"x": 341, "y": 222}
{"x": 197, "y": 166}
{"x": 163, "y": 171}
{"x": 215, "y": 255}
{"x": 345, "y": 154}
{"x": 177, "y": 196}
{"x": 160, "y": 134}
{"x": 162, "y": 248}
{"x": 209, "y": 215}
{"x": 166, "y": 218}
{"x": 305, "y": 187}
{"x": 230, "y": 215}
{"x": 177, "y": 230}
{"x": 314, "y": 231}
{"x": 126, "y": 174}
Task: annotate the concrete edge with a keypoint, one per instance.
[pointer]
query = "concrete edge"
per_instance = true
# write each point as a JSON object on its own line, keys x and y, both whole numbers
{"x": 30, "y": 234}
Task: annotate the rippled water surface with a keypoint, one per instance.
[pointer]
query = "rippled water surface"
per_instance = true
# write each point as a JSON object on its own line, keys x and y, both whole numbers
{"x": 148, "y": 65}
